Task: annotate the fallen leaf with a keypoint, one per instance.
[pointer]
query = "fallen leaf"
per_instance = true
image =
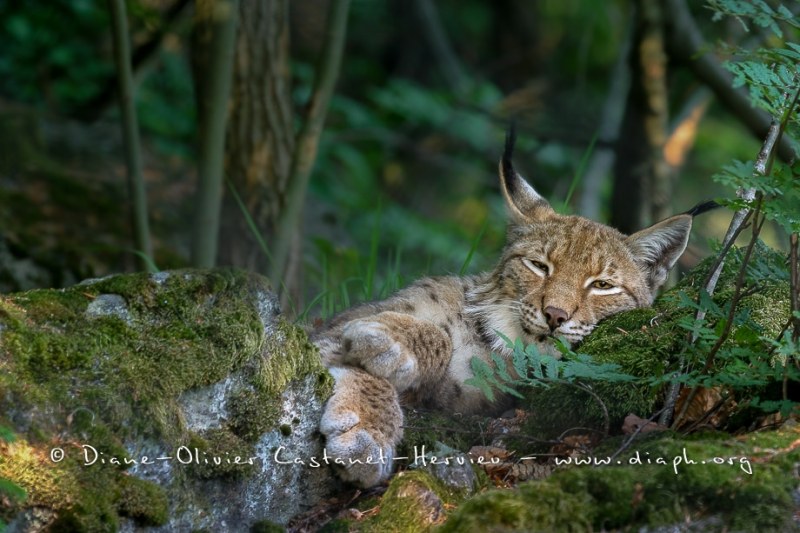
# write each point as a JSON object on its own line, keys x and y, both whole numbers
{"x": 633, "y": 423}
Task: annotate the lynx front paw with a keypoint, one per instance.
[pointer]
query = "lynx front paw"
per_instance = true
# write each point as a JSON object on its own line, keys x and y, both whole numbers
{"x": 371, "y": 345}
{"x": 362, "y": 425}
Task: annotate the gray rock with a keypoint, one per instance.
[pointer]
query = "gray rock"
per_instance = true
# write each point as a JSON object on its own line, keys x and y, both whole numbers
{"x": 109, "y": 305}
{"x": 453, "y": 468}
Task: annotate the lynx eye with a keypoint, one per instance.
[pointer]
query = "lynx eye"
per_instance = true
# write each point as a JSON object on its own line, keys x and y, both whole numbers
{"x": 602, "y": 284}
{"x": 537, "y": 267}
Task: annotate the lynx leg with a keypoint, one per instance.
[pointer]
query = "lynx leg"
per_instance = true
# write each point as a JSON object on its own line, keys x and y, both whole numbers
{"x": 404, "y": 350}
{"x": 362, "y": 424}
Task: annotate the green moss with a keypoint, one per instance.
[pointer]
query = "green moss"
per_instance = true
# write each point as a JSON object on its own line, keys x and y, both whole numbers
{"x": 143, "y": 501}
{"x": 338, "y": 525}
{"x": 251, "y": 413}
{"x": 199, "y": 328}
{"x": 45, "y": 484}
{"x": 713, "y": 479}
{"x": 532, "y": 507}
{"x": 414, "y": 502}
{"x": 220, "y": 453}
{"x": 290, "y": 355}
{"x": 80, "y": 519}
{"x": 93, "y": 506}
{"x": 265, "y": 526}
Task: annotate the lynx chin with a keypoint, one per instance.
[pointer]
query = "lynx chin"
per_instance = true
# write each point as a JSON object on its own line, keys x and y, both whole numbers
{"x": 557, "y": 276}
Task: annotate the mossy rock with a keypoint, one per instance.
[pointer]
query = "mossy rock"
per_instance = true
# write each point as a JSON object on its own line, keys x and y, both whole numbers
{"x": 194, "y": 367}
{"x": 146, "y": 503}
{"x": 728, "y": 484}
{"x": 414, "y": 501}
{"x": 649, "y": 342}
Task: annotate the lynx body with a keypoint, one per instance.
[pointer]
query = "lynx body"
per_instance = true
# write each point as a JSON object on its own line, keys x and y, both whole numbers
{"x": 558, "y": 276}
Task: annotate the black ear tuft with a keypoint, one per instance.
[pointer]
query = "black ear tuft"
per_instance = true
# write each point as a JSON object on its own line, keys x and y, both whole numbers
{"x": 525, "y": 205}
{"x": 703, "y": 207}
{"x": 509, "y": 174}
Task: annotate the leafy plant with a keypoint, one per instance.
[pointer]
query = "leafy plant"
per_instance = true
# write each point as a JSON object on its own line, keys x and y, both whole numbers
{"x": 532, "y": 368}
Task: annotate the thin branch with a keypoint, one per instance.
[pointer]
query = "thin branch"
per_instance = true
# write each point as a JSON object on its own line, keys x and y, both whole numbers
{"x": 130, "y": 132}
{"x": 794, "y": 299}
{"x": 794, "y": 287}
{"x": 762, "y": 167}
{"x": 606, "y": 417}
{"x": 307, "y": 143}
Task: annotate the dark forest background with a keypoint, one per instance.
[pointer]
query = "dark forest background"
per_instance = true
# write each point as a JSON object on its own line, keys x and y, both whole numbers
{"x": 362, "y": 137}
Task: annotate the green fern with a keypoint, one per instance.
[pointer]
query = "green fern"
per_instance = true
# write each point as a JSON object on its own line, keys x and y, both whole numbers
{"x": 535, "y": 369}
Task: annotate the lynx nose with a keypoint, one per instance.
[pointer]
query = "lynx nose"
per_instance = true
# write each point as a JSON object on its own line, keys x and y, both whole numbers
{"x": 555, "y": 316}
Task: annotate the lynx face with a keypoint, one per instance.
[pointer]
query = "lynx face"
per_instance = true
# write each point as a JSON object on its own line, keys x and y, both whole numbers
{"x": 560, "y": 275}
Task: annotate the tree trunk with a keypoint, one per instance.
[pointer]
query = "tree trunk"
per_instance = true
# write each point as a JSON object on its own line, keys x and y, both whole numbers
{"x": 213, "y": 37}
{"x": 260, "y": 137}
{"x": 642, "y": 188}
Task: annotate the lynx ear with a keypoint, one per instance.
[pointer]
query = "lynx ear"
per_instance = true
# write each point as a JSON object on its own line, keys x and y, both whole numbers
{"x": 525, "y": 205}
{"x": 658, "y": 247}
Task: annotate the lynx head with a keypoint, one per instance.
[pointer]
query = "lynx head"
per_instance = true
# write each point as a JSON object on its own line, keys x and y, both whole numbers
{"x": 559, "y": 275}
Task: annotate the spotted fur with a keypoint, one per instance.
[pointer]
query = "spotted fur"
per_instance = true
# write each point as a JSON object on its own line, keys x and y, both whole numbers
{"x": 558, "y": 276}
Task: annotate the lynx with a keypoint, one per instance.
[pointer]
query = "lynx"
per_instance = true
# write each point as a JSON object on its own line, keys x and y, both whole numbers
{"x": 557, "y": 276}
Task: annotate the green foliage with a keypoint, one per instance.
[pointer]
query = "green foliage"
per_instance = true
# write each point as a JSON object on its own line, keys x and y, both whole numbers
{"x": 46, "y": 59}
{"x": 769, "y": 72}
{"x": 752, "y": 358}
{"x": 165, "y": 105}
{"x": 779, "y": 187}
{"x": 758, "y": 11}
{"x": 6, "y": 434}
{"x": 752, "y": 354}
